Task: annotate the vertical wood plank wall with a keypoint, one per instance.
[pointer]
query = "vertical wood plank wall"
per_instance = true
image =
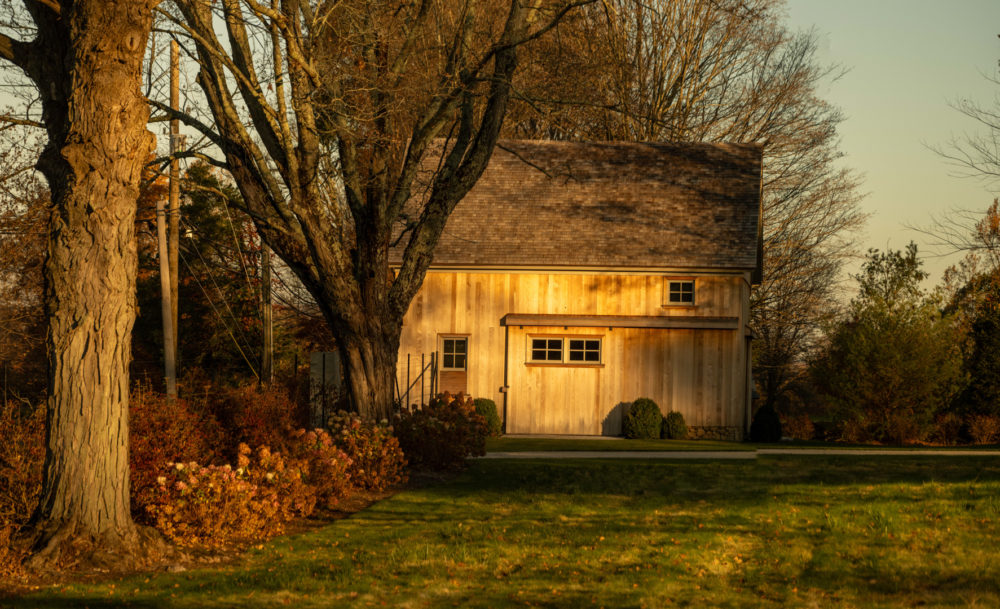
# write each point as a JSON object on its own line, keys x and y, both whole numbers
{"x": 700, "y": 373}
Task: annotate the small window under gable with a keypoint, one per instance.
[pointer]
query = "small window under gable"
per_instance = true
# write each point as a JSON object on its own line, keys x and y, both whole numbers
{"x": 680, "y": 292}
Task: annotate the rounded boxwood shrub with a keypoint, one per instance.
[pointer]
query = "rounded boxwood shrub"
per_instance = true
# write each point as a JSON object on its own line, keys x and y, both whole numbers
{"x": 674, "y": 427}
{"x": 487, "y": 409}
{"x": 766, "y": 426}
{"x": 643, "y": 420}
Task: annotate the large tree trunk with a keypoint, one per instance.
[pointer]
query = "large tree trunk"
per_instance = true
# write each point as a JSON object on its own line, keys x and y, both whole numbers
{"x": 369, "y": 359}
{"x": 96, "y": 119}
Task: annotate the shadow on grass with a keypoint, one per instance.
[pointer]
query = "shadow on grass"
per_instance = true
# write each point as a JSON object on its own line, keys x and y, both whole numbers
{"x": 562, "y": 533}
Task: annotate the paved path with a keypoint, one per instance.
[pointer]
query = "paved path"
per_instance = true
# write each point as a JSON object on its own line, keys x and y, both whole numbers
{"x": 739, "y": 454}
{"x": 624, "y": 454}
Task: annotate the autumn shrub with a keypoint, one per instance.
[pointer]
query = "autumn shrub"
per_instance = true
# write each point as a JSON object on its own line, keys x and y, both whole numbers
{"x": 11, "y": 557}
{"x": 799, "y": 426}
{"x": 326, "y": 467}
{"x": 674, "y": 427}
{"x": 906, "y": 428}
{"x": 22, "y": 454}
{"x": 948, "y": 428}
{"x": 258, "y": 416}
{"x": 984, "y": 428}
{"x": 643, "y": 420}
{"x": 442, "y": 434}
{"x": 487, "y": 409}
{"x": 280, "y": 481}
{"x": 853, "y": 431}
{"x": 376, "y": 458}
{"x": 216, "y": 505}
{"x": 165, "y": 431}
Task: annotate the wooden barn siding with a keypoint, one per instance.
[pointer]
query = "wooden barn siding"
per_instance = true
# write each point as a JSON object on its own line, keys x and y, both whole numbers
{"x": 680, "y": 369}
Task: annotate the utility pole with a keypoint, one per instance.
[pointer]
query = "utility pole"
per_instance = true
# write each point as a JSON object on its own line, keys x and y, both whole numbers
{"x": 267, "y": 356}
{"x": 174, "y": 232}
{"x": 169, "y": 350}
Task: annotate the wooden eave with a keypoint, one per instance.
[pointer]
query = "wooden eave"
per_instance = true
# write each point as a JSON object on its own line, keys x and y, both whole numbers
{"x": 589, "y": 270}
{"x": 672, "y": 322}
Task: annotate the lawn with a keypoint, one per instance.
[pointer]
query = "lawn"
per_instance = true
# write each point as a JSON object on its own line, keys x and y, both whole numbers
{"x": 775, "y": 532}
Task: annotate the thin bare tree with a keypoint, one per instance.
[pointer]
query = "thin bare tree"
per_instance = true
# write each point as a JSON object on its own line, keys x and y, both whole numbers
{"x": 324, "y": 112}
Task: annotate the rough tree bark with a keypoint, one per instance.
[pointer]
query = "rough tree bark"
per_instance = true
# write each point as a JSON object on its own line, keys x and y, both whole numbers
{"x": 86, "y": 60}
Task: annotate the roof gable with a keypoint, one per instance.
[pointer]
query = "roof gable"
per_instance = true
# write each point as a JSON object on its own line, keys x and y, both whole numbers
{"x": 607, "y": 205}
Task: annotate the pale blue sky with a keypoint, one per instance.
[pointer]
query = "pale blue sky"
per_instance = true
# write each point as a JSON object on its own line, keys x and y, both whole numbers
{"x": 907, "y": 60}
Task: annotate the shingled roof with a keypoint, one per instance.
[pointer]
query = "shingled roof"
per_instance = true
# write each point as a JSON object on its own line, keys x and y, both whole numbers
{"x": 607, "y": 205}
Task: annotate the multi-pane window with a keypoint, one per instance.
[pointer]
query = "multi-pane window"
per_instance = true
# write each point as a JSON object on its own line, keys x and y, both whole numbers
{"x": 454, "y": 352}
{"x": 560, "y": 350}
{"x": 680, "y": 292}
{"x": 546, "y": 349}
{"x": 585, "y": 350}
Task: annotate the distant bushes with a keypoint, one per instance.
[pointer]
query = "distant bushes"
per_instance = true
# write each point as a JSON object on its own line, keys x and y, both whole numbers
{"x": 984, "y": 428}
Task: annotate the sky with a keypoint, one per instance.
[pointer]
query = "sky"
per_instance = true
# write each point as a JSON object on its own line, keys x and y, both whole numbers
{"x": 906, "y": 61}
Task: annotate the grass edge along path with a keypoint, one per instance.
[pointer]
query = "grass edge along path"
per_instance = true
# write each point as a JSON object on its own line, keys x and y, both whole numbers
{"x": 774, "y": 532}
{"x": 540, "y": 444}
{"x": 547, "y": 444}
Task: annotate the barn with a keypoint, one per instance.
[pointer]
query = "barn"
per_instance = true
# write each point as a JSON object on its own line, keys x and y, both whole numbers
{"x": 577, "y": 277}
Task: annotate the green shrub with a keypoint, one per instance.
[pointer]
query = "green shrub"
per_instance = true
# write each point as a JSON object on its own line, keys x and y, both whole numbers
{"x": 442, "y": 434}
{"x": 766, "y": 426}
{"x": 377, "y": 460}
{"x": 674, "y": 427}
{"x": 487, "y": 409}
{"x": 643, "y": 420}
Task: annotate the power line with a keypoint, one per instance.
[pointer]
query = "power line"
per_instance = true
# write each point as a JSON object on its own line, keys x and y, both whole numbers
{"x": 216, "y": 310}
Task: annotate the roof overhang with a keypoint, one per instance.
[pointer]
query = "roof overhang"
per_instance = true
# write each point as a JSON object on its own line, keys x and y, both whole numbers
{"x": 588, "y": 270}
{"x": 666, "y": 322}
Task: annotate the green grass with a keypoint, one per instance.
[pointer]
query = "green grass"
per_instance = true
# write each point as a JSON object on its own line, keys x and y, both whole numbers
{"x": 611, "y": 445}
{"x": 776, "y": 532}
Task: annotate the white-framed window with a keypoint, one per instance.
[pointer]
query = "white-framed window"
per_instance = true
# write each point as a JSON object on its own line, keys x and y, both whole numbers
{"x": 680, "y": 292}
{"x": 569, "y": 350}
{"x": 454, "y": 352}
{"x": 584, "y": 350}
{"x": 545, "y": 349}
